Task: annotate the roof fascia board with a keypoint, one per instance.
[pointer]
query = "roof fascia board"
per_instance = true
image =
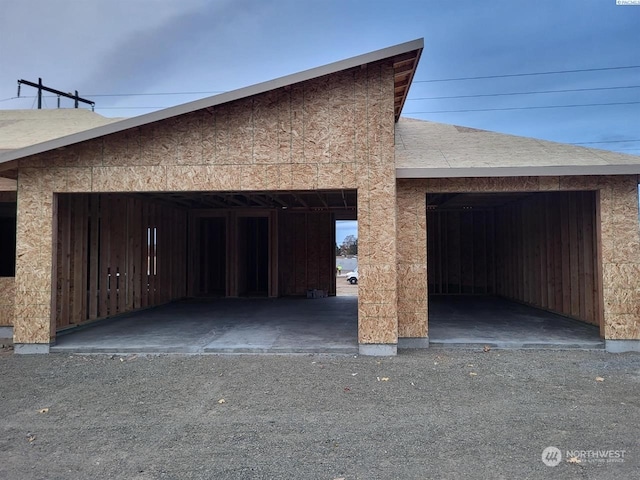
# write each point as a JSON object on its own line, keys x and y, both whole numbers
{"x": 485, "y": 172}
{"x": 220, "y": 99}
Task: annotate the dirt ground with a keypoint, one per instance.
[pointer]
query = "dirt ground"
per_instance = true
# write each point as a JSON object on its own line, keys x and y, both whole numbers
{"x": 345, "y": 289}
{"x": 441, "y": 414}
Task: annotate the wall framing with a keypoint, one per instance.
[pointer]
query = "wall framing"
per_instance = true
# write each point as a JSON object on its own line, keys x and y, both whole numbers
{"x": 617, "y": 245}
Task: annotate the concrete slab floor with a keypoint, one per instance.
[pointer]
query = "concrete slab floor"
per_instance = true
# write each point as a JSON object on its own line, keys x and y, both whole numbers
{"x": 324, "y": 325}
{"x": 471, "y": 320}
{"x": 284, "y": 325}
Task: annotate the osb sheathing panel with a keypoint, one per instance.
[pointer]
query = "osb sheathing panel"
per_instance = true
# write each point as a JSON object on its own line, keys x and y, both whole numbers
{"x": 412, "y": 261}
{"x": 619, "y": 234}
{"x": 332, "y": 132}
{"x": 7, "y": 300}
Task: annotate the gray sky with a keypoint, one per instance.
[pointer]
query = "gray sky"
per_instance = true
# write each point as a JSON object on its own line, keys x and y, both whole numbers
{"x": 112, "y": 47}
{"x": 104, "y": 48}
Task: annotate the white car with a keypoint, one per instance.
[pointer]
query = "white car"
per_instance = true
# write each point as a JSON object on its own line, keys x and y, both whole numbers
{"x": 352, "y": 277}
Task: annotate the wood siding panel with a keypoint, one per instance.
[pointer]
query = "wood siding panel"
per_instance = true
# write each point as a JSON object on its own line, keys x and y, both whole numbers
{"x": 306, "y": 253}
{"x": 103, "y": 252}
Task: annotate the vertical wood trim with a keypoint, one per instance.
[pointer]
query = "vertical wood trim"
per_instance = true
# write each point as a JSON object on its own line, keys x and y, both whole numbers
{"x": 65, "y": 216}
{"x": 54, "y": 318}
{"x": 77, "y": 251}
{"x": 589, "y": 257}
{"x": 273, "y": 251}
{"x": 550, "y": 266}
{"x": 599, "y": 294}
{"x": 94, "y": 261}
{"x": 565, "y": 256}
{"x": 574, "y": 252}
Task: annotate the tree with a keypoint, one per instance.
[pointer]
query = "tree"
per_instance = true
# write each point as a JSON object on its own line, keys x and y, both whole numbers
{"x": 349, "y": 245}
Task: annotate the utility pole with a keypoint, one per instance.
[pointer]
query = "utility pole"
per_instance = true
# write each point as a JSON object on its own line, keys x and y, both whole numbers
{"x": 77, "y": 99}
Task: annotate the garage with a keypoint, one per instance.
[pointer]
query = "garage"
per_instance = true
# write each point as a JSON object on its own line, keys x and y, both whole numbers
{"x": 123, "y": 253}
{"x": 514, "y": 269}
{"x": 234, "y": 198}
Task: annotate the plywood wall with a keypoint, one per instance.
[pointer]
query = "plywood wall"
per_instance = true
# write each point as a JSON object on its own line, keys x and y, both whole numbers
{"x": 412, "y": 261}
{"x": 617, "y": 243}
{"x": 233, "y": 252}
{"x": 7, "y": 301}
{"x": 547, "y": 253}
{"x": 540, "y": 250}
{"x": 333, "y": 132}
{"x": 115, "y": 254}
{"x": 462, "y": 252}
{"x": 307, "y": 253}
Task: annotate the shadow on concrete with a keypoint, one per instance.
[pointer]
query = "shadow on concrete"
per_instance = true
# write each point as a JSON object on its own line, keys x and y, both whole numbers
{"x": 323, "y": 325}
{"x": 284, "y": 325}
{"x": 468, "y": 321}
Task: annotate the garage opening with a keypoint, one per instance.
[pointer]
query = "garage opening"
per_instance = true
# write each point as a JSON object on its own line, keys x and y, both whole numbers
{"x": 514, "y": 268}
{"x": 216, "y": 260}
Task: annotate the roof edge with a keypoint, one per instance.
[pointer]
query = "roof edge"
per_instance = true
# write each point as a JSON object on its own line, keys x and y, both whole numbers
{"x": 548, "y": 171}
{"x": 215, "y": 100}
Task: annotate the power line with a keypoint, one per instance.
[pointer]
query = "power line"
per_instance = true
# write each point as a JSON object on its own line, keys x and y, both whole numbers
{"x": 525, "y": 108}
{"x": 606, "y": 141}
{"x": 526, "y": 74}
{"x": 150, "y": 94}
{"x": 525, "y": 93}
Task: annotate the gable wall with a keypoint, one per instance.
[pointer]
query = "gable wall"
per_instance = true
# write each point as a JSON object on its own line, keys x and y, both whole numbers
{"x": 329, "y": 133}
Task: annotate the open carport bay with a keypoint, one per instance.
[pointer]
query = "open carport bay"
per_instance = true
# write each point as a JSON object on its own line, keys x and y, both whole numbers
{"x": 514, "y": 268}
{"x": 284, "y": 325}
{"x": 478, "y": 321}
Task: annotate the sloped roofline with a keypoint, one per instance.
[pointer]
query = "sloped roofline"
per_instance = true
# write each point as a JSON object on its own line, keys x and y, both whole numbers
{"x": 389, "y": 52}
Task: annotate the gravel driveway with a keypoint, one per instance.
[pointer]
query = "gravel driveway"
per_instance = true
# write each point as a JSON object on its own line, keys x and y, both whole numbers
{"x": 431, "y": 414}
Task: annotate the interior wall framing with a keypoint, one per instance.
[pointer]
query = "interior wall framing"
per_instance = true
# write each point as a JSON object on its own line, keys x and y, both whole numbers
{"x": 538, "y": 249}
{"x": 307, "y": 252}
{"x": 214, "y": 253}
{"x": 114, "y": 254}
{"x": 333, "y": 132}
{"x": 617, "y": 242}
{"x": 461, "y": 252}
{"x": 547, "y": 254}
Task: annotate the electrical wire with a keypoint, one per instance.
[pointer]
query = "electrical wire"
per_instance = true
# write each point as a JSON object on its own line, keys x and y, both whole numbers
{"x": 150, "y": 94}
{"x": 526, "y": 93}
{"x": 605, "y": 141}
{"x": 531, "y": 107}
{"x": 509, "y": 75}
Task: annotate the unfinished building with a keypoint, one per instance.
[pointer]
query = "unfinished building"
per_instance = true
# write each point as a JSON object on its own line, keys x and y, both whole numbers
{"x": 237, "y": 195}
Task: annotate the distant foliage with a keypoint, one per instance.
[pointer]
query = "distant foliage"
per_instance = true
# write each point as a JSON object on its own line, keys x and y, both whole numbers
{"x": 349, "y": 245}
